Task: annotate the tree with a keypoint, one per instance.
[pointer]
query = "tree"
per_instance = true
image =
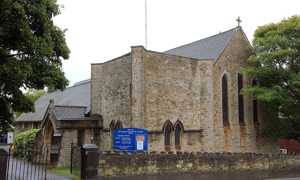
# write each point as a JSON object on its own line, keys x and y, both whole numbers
{"x": 32, "y": 95}
{"x": 31, "y": 52}
{"x": 276, "y": 66}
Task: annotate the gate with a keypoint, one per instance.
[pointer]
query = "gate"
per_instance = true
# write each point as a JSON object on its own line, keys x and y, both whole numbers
{"x": 25, "y": 164}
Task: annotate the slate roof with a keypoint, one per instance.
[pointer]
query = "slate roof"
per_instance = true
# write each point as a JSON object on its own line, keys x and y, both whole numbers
{"x": 207, "y": 48}
{"x": 76, "y": 95}
{"x": 69, "y": 112}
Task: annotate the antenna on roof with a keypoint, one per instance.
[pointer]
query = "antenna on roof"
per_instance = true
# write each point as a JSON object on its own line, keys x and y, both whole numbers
{"x": 146, "y": 28}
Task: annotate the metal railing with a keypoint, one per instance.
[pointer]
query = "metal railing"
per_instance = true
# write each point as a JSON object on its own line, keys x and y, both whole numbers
{"x": 29, "y": 163}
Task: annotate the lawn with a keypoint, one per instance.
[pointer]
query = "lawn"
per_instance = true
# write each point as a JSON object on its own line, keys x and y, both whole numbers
{"x": 65, "y": 171}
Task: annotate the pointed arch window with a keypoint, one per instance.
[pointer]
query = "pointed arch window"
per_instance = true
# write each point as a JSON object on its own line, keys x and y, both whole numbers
{"x": 240, "y": 100}
{"x": 167, "y": 129}
{"x": 178, "y": 134}
{"x": 255, "y": 105}
{"x": 225, "y": 114}
{"x": 118, "y": 125}
{"x": 115, "y": 125}
{"x": 112, "y": 126}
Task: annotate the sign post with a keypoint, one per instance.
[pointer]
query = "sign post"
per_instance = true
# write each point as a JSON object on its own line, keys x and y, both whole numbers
{"x": 130, "y": 139}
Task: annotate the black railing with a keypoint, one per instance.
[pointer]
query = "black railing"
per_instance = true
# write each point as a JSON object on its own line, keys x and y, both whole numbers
{"x": 75, "y": 158}
{"x": 28, "y": 163}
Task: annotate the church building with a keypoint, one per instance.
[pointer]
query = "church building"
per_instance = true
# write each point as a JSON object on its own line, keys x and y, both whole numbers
{"x": 188, "y": 98}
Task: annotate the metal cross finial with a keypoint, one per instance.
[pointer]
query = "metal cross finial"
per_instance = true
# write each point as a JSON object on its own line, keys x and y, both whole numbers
{"x": 239, "y": 21}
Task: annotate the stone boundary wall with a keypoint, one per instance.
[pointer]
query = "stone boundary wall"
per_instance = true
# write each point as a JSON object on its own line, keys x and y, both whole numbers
{"x": 127, "y": 164}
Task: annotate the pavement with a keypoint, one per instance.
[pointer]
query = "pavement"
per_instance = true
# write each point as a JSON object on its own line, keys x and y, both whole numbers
{"x": 21, "y": 170}
{"x": 296, "y": 178}
{"x": 56, "y": 177}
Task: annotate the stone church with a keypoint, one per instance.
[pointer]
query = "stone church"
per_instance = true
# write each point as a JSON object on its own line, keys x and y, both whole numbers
{"x": 188, "y": 98}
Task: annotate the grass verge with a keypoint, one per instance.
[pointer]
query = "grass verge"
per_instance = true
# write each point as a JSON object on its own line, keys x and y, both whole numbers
{"x": 65, "y": 171}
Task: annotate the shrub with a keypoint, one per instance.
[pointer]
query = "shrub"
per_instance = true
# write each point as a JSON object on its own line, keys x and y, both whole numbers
{"x": 24, "y": 143}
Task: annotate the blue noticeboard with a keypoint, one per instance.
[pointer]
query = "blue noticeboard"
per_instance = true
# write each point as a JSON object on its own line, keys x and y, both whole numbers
{"x": 130, "y": 139}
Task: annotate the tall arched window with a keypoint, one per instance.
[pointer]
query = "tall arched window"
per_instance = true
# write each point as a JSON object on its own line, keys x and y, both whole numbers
{"x": 255, "y": 106}
{"x": 167, "y": 129}
{"x": 178, "y": 134}
{"x": 112, "y": 128}
{"x": 240, "y": 100}
{"x": 112, "y": 125}
{"x": 225, "y": 113}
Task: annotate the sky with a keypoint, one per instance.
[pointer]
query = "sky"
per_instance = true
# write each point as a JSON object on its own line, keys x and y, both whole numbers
{"x": 100, "y": 30}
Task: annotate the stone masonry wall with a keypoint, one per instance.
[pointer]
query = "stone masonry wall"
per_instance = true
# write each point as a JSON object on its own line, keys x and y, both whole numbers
{"x": 68, "y": 136}
{"x": 138, "y": 87}
{"x": 111, "y": 94}
{"x": 178, "y": 88}
{"x": 190, "y": 141}
{"x": 230, "y": 63}
{"x": 110, "y": 90}
{"x": 106, "y": 141}
{"x": 114, "y": 164}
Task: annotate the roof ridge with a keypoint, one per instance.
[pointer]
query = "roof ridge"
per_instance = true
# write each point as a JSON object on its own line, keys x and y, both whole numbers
{"x": 79, "y": 83}
{"x": 235, "y": 28}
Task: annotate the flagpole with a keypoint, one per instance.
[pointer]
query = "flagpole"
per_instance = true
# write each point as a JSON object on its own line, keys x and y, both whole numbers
{"x": 146, "y": 28}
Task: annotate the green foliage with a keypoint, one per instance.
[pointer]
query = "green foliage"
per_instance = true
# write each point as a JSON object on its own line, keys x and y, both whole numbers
{"x": 276, "y": 66}
{"x": 24, "y": 142}
{"x": 33, "y": 95}
{"x": 5, "y": 116}
{"x": 31, "y": 51}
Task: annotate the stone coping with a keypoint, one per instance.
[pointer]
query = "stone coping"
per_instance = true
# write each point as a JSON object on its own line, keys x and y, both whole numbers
{"x": 208, "y": 154}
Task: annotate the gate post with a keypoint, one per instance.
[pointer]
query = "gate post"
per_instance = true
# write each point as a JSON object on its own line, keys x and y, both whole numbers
{"x": 89, "y": 161}
{"x": 4, "y": 157}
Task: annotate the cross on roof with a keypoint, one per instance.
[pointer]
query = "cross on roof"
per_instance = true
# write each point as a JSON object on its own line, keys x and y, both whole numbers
{"x": 238, "y": 20}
